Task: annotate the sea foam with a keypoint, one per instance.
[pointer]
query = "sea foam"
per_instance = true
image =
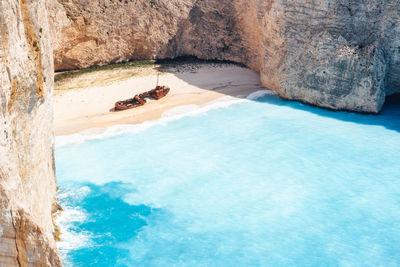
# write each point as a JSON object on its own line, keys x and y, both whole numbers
{"x": 168, "y": 116}
{"x": 259, "y": 94}
{"x": 71, "y": 215}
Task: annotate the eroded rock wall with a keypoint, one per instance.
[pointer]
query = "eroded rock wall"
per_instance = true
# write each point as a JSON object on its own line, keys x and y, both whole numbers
{"x": 27, "y": 178}
{"x": 100, "y": 32}
{"x": 341, "y": 54}
{"x": 335, "y": 54}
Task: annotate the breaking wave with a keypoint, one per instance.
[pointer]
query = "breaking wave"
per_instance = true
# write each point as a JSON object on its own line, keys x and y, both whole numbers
{"x": 259, "y": 94}
{"x": 71, "y": 239}
{"x": 168, "y": 116}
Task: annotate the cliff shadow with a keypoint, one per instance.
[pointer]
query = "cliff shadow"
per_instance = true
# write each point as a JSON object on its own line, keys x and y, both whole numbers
{"x": 225, "y": 77}
{"x": 246, "y": 80}
{"x": 389, "y": 117}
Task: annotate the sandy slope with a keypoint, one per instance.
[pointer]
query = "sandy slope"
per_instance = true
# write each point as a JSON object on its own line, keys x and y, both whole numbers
{"x": 80, "y": 109}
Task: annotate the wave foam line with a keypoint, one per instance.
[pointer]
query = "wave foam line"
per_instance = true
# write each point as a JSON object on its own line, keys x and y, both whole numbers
{"x": 71, "y": 239}
{"x": 259, "y": 94}
{"x": 168, "y": 116}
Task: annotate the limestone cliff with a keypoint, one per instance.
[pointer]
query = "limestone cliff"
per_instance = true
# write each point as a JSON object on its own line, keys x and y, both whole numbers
{"x": 336, "y": 54}
{"x": 27, "y": 179}
{"x": 100, "y": 32}
{"x": 341, "y": 54}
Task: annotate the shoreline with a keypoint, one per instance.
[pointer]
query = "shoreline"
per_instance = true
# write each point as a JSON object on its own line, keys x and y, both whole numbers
{"x": 81, "y": 109}
{"x": 168, "y": 116}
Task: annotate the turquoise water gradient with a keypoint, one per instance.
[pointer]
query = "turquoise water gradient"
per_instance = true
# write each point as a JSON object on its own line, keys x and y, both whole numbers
{"x": 260, "y": 183}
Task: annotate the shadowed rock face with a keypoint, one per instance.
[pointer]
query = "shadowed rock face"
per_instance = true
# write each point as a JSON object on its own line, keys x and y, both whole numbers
{"x": 100, "y": 32}
{"x": 341, "y": 54}
{"x": 27, "y": 180}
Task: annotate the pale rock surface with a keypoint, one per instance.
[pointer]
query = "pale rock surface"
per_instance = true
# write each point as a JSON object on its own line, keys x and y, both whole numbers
{"x": 100, "y": 32}
{"x": 27, "y": 178}
{"x": 335, "y": 54}
{"x": 341, "y": 54}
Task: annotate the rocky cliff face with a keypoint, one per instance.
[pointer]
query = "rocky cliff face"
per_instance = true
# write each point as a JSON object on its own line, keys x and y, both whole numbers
{"x": 100, "y": 32}
{"x": 336, "y": 54}
{"x": 341, "y": 54}
{"x": 27, "y": 180}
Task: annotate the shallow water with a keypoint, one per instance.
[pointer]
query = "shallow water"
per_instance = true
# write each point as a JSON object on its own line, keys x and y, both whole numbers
{"x": 257, "y": 183}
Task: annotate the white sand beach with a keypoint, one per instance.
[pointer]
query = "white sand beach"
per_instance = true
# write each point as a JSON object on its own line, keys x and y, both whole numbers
{"x": 81, "y": 106}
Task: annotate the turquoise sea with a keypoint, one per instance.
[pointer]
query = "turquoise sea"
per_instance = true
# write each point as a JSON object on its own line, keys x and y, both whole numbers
{"x": 263, "y": 182}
